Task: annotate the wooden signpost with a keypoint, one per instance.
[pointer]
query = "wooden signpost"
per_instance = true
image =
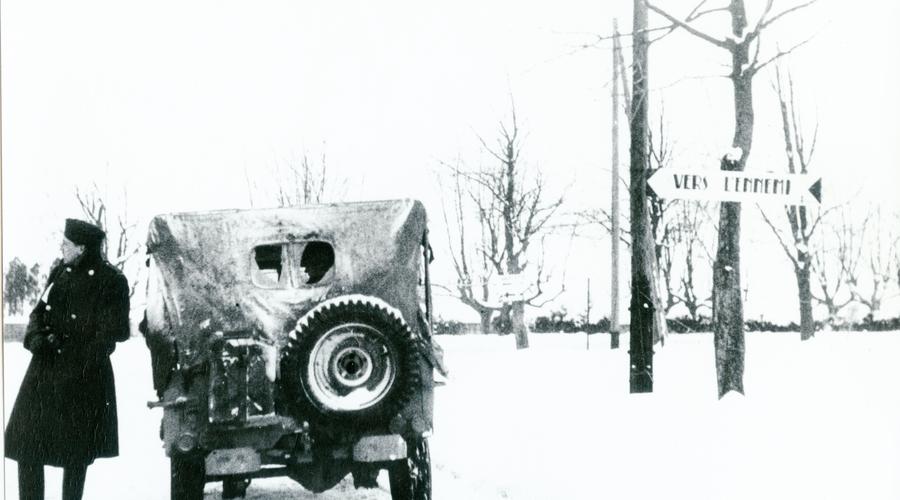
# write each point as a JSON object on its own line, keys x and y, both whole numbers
{"x": 721, "y": 185}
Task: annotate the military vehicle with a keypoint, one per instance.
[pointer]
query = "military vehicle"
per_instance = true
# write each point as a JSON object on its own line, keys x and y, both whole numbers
{"x": 293, "y": 342}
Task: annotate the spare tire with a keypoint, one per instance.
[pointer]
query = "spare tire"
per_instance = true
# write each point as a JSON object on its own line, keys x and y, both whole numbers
{"x": 350, "y": 359}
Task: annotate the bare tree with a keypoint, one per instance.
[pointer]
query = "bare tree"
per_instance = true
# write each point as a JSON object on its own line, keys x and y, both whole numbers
{"x": 689, "y": 247}
{"x": 870, "y": 289}
{"x": 896, "y": 223}
{"x": 678, "y": 230}
{"x": 602, "y": 218}
{"x": 22, "y": 286}
{"x": 802, "y": 221}
{"x": 836, "y": 254}
{"x": 513, "y": 215}
{"x": 296, "y": 182}
{"x": 306, "y": 184}
{"x": 728, "y": 310}
{"x": 467, "y": 252}
{"x": 663, "y": 227}
{"x": 121, "y": 244}
{"x": 855, "y": 260}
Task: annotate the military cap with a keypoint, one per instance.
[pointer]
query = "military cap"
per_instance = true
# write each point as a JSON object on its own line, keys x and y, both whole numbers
{"x": 83, "y": 233}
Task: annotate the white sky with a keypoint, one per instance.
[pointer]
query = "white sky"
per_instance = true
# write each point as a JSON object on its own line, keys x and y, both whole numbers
{"x": 176, "y": 101}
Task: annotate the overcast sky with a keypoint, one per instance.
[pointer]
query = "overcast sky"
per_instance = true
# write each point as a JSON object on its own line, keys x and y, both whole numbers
{"x": 183, "y": 104}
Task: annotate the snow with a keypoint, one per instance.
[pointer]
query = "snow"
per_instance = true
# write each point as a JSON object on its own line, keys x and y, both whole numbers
{"x": 347, "y": 299}
{"x": 819, "y": 420}
{"x": 734, "y": 154}
{"x": 737, "y": 40}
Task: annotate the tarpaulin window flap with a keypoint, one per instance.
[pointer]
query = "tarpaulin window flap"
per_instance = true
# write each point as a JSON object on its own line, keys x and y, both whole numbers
{"x": 291, "y": 265}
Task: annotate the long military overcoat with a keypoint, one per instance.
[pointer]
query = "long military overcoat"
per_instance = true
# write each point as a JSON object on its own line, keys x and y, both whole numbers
{"x": 65, "y": 411}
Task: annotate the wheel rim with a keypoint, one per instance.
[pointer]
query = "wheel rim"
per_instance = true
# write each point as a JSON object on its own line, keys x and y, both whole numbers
{"x": 352, "y": 367}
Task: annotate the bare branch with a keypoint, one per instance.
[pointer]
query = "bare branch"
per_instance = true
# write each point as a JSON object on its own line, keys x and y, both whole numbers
{"x": 768, "y": 9}
{"x": 687, "y": 27}
{"x": 604, "y": 38}
{"x": 763, "y": 24}
{"x": 784, "y": 245}
{"x": 755, "y": 68}
{"x": 623, "y": 76}
{"x": 758, "y": 39}
{"x": 693, "y": 16}
{"x": 548, "y": 300}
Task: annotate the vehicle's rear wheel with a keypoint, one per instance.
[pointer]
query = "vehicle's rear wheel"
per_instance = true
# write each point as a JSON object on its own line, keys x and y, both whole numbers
{"x": 410, "y": 479}
{"x": 351, "y": 361}
{"x": 235, "y": 488}
{"x": 365, "y": 477}
{"x": 187, "y": 476}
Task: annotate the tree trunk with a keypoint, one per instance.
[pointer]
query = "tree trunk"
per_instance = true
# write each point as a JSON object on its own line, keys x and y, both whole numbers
{"x": 660, "y": 328}
{"x": 690, "y": 297}
{"x": 807, "y": 325}
{"x": 642, "y": 289}
{"x": 692, "y": 310}
{"x": 517, "y": 323}
{"x": 728, "y": 308}
{"x": 517, "y": 318}
{"x": 833, "y": 311}
{"x": 516, "y": 310}
{"x": 486, "y": 315}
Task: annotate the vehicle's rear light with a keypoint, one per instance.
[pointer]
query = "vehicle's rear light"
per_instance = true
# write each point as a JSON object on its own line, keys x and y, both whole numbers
{"x": 186, "y": 442}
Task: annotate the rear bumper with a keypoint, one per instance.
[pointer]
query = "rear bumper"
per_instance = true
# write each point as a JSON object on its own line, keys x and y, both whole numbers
{"x": 248, "y": 461}
{"x": 379, "y": 448}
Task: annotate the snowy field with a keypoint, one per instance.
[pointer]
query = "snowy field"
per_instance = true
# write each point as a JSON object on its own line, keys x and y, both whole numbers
{"x": 821, "y": 420}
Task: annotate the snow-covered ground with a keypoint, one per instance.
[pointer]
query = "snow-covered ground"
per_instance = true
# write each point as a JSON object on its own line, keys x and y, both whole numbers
{"x": 821, "y": 420}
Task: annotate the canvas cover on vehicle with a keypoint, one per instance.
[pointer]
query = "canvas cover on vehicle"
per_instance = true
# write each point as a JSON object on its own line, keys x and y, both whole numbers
{"x": 202, "y": 269}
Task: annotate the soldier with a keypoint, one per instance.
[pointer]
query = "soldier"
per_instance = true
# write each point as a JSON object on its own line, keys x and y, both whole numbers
{"x": 65, "y": 412}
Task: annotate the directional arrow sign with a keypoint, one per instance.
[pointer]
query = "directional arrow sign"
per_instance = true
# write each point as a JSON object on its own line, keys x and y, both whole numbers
{"x": 722, "y": 185}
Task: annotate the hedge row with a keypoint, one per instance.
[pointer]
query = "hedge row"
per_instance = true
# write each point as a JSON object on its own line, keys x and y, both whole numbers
{"x": 557, "y": 324}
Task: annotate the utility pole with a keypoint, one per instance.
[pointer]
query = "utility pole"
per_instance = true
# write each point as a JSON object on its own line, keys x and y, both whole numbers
{"x": 614, "y": 236}
{"x": 642, "y": 301}
{"x": 587, "y": 312}
{"x": 587, "y": 315}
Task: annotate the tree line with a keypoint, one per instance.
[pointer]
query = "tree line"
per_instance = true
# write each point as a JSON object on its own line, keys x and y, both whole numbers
{"x": 499, "y": 217}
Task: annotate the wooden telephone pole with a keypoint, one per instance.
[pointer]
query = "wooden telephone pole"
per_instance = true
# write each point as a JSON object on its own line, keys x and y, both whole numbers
{"x": 587, "y": 315}
{"x": 614, "y": 212}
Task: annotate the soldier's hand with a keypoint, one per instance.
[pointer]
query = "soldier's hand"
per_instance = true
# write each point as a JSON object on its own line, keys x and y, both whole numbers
{"x": 38, "y": 344}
